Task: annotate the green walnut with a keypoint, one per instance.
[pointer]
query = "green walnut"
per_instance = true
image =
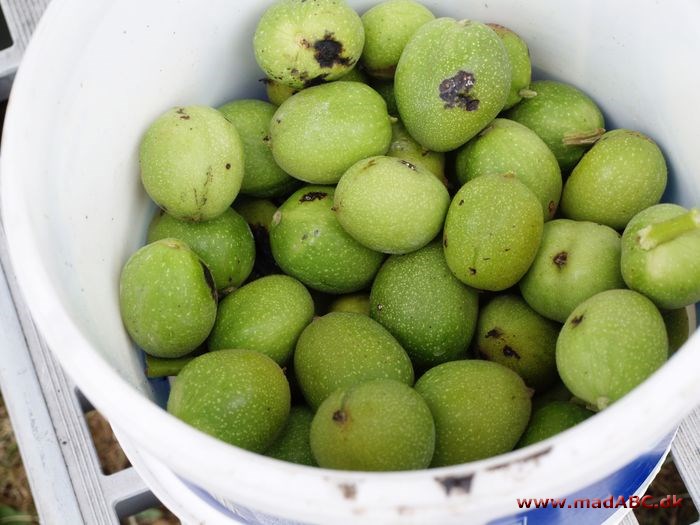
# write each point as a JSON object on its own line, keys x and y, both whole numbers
{"x": 610, "y": 344}
{"x": 453, "y": 78}
{"x": 386, "y": 89}
{"x": 429, "y": 311}
{"x": 225, "y": 244}
{"x": 355, "y": 75}
{"x": 404, "y": 147}
{"x": 167, "y": 299}
{"x": 192, "y": 162}
{"x": 512, "y": 334}
{"x": 506, "y": 146}
{"x": 355, "y": 303}
{"x": 492, "y": 232}
{"x": 343, "y": 349}
{"x": 380, "y": 425}
{"x": 551, "y": 419}
{"x": 262, "y": 177}
{"x": 388, "y": 28}
{"x": 293, "y": 443}
{"x": 480, "y": 409}
{"x": 322, "y": 131}
{"x": 391, "y": 205}
{"x": 308, "y": 243}
{"x": 677, "y": 327}
{"x": 266, "y": 315}
{"x": 521, "y": 67}
{"x": 277, "y": 92}
{"x": 301, "y": 44}
{"x": 258, "y": 213}
{"x": 622, "y": 174}
{"x": 564, "y": 117}
{"x": 661, "y": 255}
{"x": 557, "y": 392}
{"x": 576, "y": 260}
{"x": 238, "y": 396}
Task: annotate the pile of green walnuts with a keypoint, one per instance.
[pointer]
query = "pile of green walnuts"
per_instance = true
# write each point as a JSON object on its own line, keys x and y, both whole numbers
{"x": 412, "y": 256}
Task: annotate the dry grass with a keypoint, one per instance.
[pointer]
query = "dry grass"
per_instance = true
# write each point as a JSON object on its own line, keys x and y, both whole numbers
{"x": 14, "y": 487}
{"x": 111, "y": 456}
{"x": 668, "y": 481}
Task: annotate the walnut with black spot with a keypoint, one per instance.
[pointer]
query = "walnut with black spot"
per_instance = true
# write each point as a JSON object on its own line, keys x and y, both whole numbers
{"x": 309, "y": 244}
{"x": 610, "y": 344}
{"x": 576, "y": 260}
{"x": 377, "y": 425}
{"x": 302, "y": 44}
{"x": 453, "y": 78}
{"x": 512, "y": 334}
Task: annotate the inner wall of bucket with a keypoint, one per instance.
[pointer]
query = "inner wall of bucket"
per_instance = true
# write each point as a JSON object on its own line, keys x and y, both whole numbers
{"x": 94, "y": 211}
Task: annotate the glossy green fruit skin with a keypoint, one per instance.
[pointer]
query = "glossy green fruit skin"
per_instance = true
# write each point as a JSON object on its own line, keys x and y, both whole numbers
{"x": 429, "y": 311}
{"x": 266, "y": 315}
{"x": 551, "y": 419}
{"x": 238, "y": 396}
{"x": 480, "y": 409}
{"x": 357, "y": 303}
{"x": 308, "y": 243}
{"x": 225, "y": 244}
{"x": 521, "y": 67}
{"x": 167, "y": 299}
{"x": 343, "y": 349}
{"x": 388, "y": 27}
{"x": 403, "y": 146}
{"x": 576, "y": 260}
{"x": 300, "y": 43}
{"x": 622, "y": 174}
{"x": 610, "y": 344}
{"x": 557, "y": 112}
{"x": 391, "y": 205}
{"x": 191, "y": 161}
{"x": 492, "y": 232}
{"x": 379, "y": 425}
{"x": 262, "y": 177}
{"x": 322, "y": 131}
{"x": 677, "y": 327}
{"x": 668, "y": 274}
{"x": 453, "y": 78}
{"x": 510, "y": 333}
{"x": 293, "y": 443}
{"x": 506, "y": 146}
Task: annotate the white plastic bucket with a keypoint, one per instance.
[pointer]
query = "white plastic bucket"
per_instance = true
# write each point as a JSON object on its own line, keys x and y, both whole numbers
{"x": 98, "y": 72}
